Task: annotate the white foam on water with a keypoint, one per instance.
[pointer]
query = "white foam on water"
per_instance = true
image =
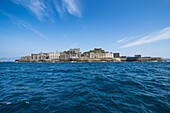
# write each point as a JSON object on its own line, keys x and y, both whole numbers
{"x": 27, "y": 102}
{"x": 7, "y": 103}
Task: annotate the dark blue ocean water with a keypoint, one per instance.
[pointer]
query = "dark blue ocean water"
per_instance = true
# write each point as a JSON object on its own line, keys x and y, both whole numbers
{"x": 85, "y": 87}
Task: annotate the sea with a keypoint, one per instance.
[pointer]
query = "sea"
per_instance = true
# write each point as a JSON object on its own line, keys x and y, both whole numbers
{"x": 101, "y": 87}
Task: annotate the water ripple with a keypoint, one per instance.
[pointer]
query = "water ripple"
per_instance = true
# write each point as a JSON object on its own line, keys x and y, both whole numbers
{"x": 85, "y": 87}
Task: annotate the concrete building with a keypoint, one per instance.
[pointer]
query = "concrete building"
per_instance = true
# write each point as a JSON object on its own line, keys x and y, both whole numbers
{"x": 138, "y": 59}
{"x": 35, "y": 56}
{"x": 40, "y": 56}
{"x": 116, "y": 55}
{"x": 138, "y": 56}
{"x": 123, "y": 58}
{"x": 70, "y": 54}
{"x": 97, "y": 53}
{"x": 101, "y": 55}
{"x": 26, "y": 58}
{"x": 54, "y": 55}
{"x": 64, "y": 55}
{"x": 85, "y": 55}
{"x": 74, "y": 53}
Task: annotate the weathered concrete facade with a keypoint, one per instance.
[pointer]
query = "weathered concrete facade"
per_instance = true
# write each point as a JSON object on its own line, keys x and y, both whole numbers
{"x": 116, "y": 55}
{"x": 70, "y": 54}
{"x": 100, "y": 55}
{"x": 54, "y": 55}
{"x": 40, "y": 56}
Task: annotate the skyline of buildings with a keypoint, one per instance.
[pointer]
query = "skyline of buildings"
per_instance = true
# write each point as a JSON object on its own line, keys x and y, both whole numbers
{"x": 75, "y": 55}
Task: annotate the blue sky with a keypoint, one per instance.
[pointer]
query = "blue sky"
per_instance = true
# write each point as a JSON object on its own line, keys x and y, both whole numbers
{"x": 126, "y": 26}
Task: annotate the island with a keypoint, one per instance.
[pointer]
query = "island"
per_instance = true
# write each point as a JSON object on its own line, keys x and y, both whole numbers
{"x": 95, "y": 55}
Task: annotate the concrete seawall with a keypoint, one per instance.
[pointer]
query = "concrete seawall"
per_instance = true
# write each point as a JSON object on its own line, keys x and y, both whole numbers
{"x": 96, "y": 60}
{"x": 73, "y": 60}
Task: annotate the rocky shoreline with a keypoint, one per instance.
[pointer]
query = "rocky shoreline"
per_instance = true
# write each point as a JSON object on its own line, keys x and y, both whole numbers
{"x": 96, "y": 60}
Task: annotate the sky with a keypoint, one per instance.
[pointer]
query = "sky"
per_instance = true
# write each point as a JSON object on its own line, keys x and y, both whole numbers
{"x": 126, "y": 26}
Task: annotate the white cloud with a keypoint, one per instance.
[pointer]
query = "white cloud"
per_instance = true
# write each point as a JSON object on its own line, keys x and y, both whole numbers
{"x": 153, "y": 37}
{"x": 121, "y": 40}
{"x": 58, "y": 6}
{"x": 37, "y": 7}
{"x": 44, "y": 8}
{"x": 31, "y": 28}
{"x": 22, "y": 23}
{"x": 71, "y": 7}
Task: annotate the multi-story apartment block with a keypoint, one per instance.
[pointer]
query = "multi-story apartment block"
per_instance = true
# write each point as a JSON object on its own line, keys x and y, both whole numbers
{"x": 40, "y": 56}
{"x": 64, "y": 55}
{"x": 54, "y": 55}
{"x": 71, "y": 54}
{"x": 98, "y": 53}
{"x": 116, "y": 55}
{"x": 101, "y": 55}
{"x": 74, "y": 53}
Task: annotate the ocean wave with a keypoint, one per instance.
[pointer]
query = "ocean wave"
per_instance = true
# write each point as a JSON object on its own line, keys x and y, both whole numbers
{"x": 85, "y": 87}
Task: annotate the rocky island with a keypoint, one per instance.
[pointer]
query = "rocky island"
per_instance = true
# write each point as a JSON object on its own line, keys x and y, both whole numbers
{"x": 95, "y": 55}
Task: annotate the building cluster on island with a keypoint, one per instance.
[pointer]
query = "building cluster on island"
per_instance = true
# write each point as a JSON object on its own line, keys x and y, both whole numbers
{"x": 96, "y": 55}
